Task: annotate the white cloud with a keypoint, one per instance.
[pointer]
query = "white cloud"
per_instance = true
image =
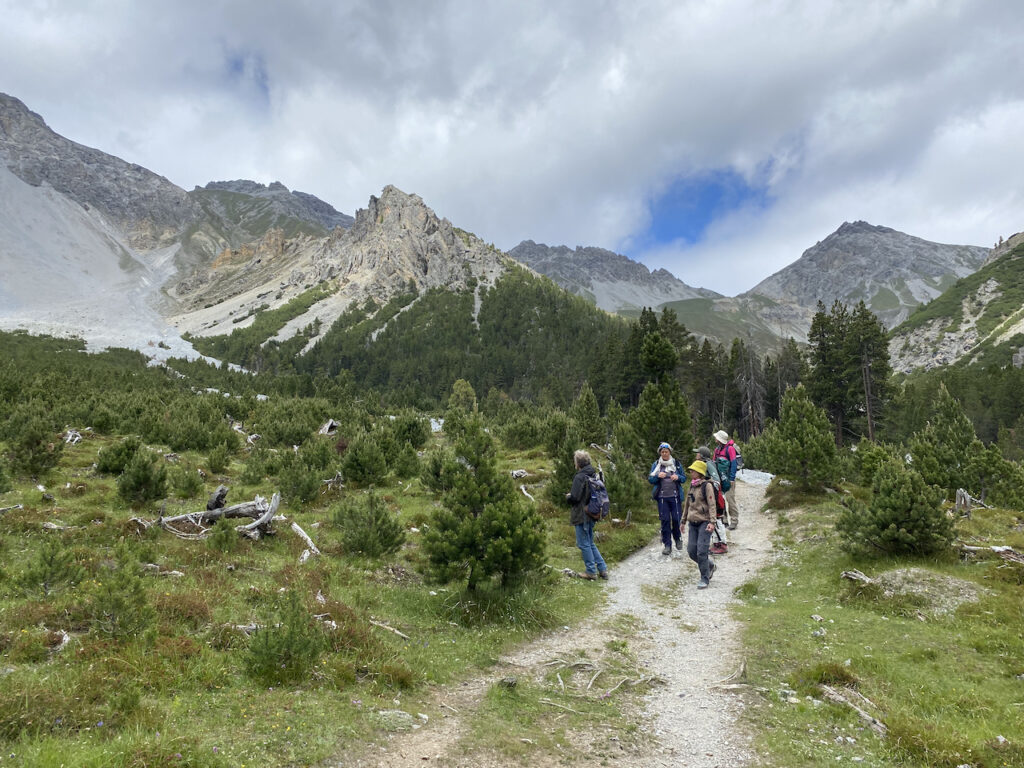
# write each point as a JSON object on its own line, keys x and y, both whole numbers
{"x": 558, "y": 122}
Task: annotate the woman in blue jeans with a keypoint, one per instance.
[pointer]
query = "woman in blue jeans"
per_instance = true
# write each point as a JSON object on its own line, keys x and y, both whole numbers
{"x": 667, "y": 477}
{"x": 578, "y": 497}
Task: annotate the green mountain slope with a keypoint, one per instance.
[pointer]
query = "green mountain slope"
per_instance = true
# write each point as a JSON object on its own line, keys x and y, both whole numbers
{"x": 980, "y": 319}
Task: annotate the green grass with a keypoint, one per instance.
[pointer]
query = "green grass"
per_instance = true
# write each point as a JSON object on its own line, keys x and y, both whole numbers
{"x": 102, "y": 702}
{"x": 945, "y": 685}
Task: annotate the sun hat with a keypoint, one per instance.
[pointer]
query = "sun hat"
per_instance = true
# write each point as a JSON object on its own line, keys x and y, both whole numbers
{"x": 700, "y": 467}
{"x": 663, "y": 446}
{"x": 721, "y": 436}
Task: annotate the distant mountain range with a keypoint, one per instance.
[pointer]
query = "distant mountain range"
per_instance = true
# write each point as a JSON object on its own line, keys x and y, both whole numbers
{"x": 610, "y": 280}
{"x": 104, "y": 248}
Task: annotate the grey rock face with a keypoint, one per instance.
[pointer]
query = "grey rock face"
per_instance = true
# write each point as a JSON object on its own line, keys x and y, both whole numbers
{"x": 612, "y": 281}
{"x": 149, "y": 209}
{"x": 281, "y": 201}
{"x": 399, "y": 239}
{"x": 891, "y": 271}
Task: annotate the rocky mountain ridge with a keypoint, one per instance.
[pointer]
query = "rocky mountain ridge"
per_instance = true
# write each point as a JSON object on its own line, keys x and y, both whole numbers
{"x": 614, "y": 282}
{"x": 147, "y": 208}
{"x": 892, "y": 272}
{"x": 980, "y": 319}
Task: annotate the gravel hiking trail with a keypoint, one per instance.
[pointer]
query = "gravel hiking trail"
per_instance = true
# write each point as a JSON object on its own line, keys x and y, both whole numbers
{"x": 685, "y": 638}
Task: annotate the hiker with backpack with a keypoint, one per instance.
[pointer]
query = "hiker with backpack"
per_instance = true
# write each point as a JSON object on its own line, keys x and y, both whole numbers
{"x": 727, "y": 461}
{"x": 667, "y": 477}
{"x": 578, "y": 498}
{"x": 699, "y": 513}
{"x": 719, "y": 541}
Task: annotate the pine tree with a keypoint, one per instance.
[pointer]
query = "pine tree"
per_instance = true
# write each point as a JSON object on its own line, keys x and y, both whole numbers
{"x": 35, "y": 447}
{"x": 586, "y": 416}
{"x": 144, "y": 479}
{"x": 828, "y": 381}
{"x": 905, "y": 516}
{"x": 868, "y": 359}
{"x": 800, "y": 446}
{"x": 941, "y": 451}
{"x": 482, "y": 530}
{"x": 661, "y": 416}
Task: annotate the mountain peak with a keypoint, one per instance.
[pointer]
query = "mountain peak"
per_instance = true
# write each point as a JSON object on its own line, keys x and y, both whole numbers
{"x": 893, "y": 272}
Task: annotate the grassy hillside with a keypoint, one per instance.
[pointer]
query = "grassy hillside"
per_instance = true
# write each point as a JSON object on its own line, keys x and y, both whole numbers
{"x": 994, "y": 319}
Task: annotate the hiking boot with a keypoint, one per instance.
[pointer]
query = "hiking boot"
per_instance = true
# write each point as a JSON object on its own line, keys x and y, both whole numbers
{"x": 713, "y": 569}
{"x": 667, "y": 550}
{"x": 718, "y": 548}
{"x": 732, "y": 526}
{"x": 603, "y": 575}
{"x": 702, "y": 584}
{"x": 588, "y": 576}
{"x": 679, "y": 543}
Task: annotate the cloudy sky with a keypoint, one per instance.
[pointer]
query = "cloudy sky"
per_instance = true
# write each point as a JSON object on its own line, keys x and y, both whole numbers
{"x": 715, "y": 138}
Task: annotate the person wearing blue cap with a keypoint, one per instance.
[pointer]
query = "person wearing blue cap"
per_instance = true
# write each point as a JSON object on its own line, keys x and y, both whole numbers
{"x": 667, "y": 476}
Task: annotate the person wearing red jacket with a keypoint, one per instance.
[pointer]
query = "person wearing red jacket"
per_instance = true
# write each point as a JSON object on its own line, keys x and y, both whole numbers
{"x": 725, "y": 461}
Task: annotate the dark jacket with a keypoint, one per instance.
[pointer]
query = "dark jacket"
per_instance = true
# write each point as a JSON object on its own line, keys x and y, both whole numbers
{"x": 579, "y": 494}
{"x": 653, "y": 479}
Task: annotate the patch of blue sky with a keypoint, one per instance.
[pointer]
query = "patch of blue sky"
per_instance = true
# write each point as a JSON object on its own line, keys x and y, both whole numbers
{"x": 246, "y": 75}
{"x": 685, "y": 210}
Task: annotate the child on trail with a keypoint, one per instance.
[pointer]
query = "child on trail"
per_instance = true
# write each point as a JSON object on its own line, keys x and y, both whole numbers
{"x": 699, "y": 513}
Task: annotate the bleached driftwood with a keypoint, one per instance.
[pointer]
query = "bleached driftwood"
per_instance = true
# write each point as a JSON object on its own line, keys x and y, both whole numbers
{"x": 965, "y": 502}
{"x": 526, "y": 493}
{"x": 251, "y": 509}
{"x": 310, "y": 546}
{"x": 856, "y": 575}
{"x": 156, "y": 570}
{"x": 72, "y": 437}
{"x": 260, "y": 525}
{"x": 8, "y": 509}
{"x": 334, "y": 483}
{"x": 48, "y": 526}
{"x": 518, "y": 473}
{"x": 390, "y": 629}
{"x": 836, "y": 697}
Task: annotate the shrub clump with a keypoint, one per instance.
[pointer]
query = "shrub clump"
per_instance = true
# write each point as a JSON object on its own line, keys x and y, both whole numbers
{"x": 368, "y": 527}
{"x": 144, "y": 479}
{"x": 287, "y": 647}
{"x": 113, "y": 459}
{"x": 905, "y": 516}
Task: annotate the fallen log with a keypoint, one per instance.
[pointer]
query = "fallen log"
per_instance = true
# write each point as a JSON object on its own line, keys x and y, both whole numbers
{"x": 310, "y": 546}
{"x": 8, "y": 509}
{"x": 261, "y": 525}
{"x": 836, "y": 697}
{"x": 856, "y": 575}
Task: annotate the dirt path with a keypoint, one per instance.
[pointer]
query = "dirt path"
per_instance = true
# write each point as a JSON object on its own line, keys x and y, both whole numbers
{"x": 685, "y": 637}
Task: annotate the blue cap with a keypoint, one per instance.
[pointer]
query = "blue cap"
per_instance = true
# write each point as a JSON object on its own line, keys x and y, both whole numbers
{"x": 663, "y": 446}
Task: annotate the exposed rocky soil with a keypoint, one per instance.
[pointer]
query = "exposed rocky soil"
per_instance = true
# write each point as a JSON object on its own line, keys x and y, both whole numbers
{"x": 686, "y": 638}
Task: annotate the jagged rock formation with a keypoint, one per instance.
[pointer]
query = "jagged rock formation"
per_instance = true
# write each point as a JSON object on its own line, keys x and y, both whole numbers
{"x": 395, "y": 242}
{"x": 890, "y": 271}
{"x": 612, "y": 281}
{"x": 148, "y": 209}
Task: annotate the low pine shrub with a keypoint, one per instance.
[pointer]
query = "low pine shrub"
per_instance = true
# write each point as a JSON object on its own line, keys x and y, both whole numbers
{"x": 113, "y": 459}
{"x": 53, "y": 569}
{"x": 144, "y": 479}
{"x": 905, "y": 516}
{"x": 288, "y": 646}
{"x": 368, "y": 527}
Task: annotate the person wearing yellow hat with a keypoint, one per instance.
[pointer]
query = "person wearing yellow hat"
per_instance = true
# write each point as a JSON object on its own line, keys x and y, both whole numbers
{"x": 667, "y": 477}
{"x": 699, "y": 512}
